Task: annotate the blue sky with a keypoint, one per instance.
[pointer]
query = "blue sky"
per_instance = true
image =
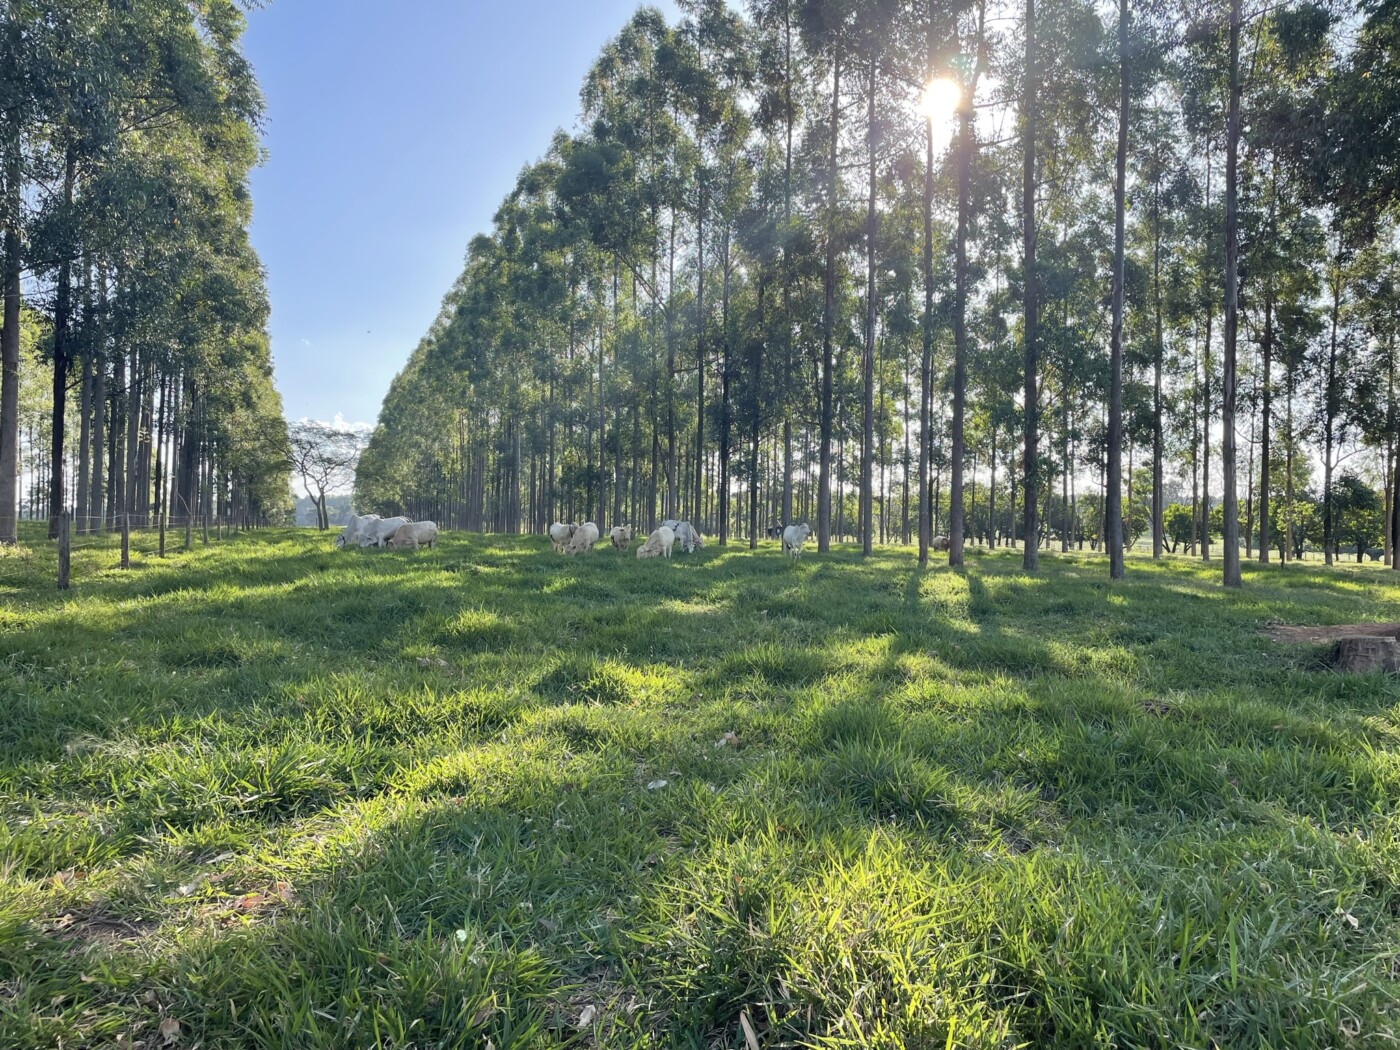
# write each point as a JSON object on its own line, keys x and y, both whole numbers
{"x": 393, "y": 131}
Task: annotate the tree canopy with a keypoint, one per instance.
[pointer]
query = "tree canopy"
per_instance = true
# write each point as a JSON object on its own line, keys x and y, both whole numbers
{"x": 760, "y": 282}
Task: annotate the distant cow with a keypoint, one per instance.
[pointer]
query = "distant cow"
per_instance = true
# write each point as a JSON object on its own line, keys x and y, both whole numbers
{"x": 775, "y": 532}
{"x": 794, "y": 536}
{"x": 688, "y": 536}
{"x": 415, "y": 534}
{"x": 658, "y": 544}
{"x": 353, "y": 528}
{"x": 939, "y": 543}
{"x": 378, "y": 533}
{"x": 560, "y": 533}
{"x": 621, "y": 536}
{"x": 585, "y": 536}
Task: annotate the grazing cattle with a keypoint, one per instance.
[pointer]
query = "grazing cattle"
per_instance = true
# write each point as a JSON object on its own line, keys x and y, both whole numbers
{"x": 658, "y": 544}
{"x": 415, "y": 534}
{"x": 1375, "y": 553}
{"x": 379, "y": 532}
{"x": 671, "y": 523}
{"x": 621, "y": 536}
{"x": 939, "y": 543}
{"x": 560, "y": 533}
{"x": 794, "y": 536}
{"x": 351, "y": 532}
{"x": 775, "y": 532}
{"x": 688, "y": 536}
{"x": 585, "y": 536}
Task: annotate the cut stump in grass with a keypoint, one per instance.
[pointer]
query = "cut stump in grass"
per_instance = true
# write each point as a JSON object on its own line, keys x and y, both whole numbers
{"x": 1303, "y": 635}
{"x": 1362, "y": 654}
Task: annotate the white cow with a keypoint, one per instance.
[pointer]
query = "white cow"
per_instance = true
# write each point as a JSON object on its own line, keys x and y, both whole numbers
{"x": 794, "y": 536}
{"x": 415, "y": 534}
{"x": 560, "y": 533}
{"x": 621, "y": 536}
{"x": 688, "y": 536}
{"x": 671, "y": 523}
{"x": 351, "y": 532}
{"x": 658, "y": 544}
{"x": 940, "y": 543}
{"x": 379, "y": 533}
{"x": 585, "y": 536}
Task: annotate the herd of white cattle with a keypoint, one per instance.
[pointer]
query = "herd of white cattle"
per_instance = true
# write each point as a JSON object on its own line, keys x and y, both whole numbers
{"x": 568, "y": 538}
{"x": 370, "y": 530}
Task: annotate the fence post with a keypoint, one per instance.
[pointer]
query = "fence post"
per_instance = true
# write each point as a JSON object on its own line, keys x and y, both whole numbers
{"x": 189, "y": 522}
{"x": 160, "y": 516}
{"x": 64, "y": 551}
{"x": 126, "y": 540}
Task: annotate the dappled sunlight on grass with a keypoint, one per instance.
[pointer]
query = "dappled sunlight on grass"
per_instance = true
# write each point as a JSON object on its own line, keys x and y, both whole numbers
{"x": 373, "y": 798}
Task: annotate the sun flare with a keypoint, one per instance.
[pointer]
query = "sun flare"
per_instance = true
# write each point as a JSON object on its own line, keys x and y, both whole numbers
{"x": 939, "y": 102}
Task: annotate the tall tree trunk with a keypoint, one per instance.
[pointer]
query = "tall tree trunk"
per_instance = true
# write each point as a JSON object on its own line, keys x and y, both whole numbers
{"x": 9, "y": 345}
{"x": 1207, "y": 371}
{"x": 1267, "y": 351}
{"x": 697, "y": 509}
{"x": 672, "y": 464}
{"x": 725, "y": 423}
{"x": 829, "y": 321}
{"x": 1114, "y": 509}
{"x": 80, "y": 502}
{"x": 1230, "y": 556}
{"x": 62, "y": 313}
{"x": 926, "y": 360}
{"x": 756, "y": 404}
{"x": 867, "y": 365}
{"x": 96, "y": 508}
{"x": 1331, "y": 409}
{"x": 1159, "y": 502}
{"x": 1029, "y": 120}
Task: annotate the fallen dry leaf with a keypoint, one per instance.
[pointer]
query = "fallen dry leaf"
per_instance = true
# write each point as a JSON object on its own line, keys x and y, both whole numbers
{"x": 657, "y": 784}
{"x": 728, "y": 740}
{"x": 586, "y": 1018}
{"x": 483, "y": 1015}
{"x": 750, "y": 1036}
{"x": 170, "y": 1030}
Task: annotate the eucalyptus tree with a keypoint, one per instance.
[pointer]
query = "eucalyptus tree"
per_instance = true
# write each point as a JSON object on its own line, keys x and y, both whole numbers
{"x": 956, "y": 43}
{"x": 1230, "y": 539}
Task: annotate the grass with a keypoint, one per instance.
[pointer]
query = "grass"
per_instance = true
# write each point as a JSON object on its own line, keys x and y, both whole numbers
{"x": 287, "y": 797}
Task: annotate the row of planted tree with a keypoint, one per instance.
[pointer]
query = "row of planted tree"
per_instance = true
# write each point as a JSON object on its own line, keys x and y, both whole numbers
{"x": 824, "y": 252}
{"x": 137, "y": 377}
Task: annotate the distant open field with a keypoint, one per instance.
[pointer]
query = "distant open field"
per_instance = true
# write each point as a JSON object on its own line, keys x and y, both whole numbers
{"x": 268, "y": 795}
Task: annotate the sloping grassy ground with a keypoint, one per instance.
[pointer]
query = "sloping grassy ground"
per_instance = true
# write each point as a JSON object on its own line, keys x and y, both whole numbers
{"x": 286, "y": 797}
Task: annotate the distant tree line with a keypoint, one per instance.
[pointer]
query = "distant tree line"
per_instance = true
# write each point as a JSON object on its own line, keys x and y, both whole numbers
{"x": 1116, "y": 259}
{"x": 137, "y": 378}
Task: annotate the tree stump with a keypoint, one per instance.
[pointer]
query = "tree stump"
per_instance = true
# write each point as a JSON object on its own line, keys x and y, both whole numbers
{"x": 1362, "y": 654}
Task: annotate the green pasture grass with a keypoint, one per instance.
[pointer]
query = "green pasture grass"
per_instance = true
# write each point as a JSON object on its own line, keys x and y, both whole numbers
{"x": 282, "y": 796}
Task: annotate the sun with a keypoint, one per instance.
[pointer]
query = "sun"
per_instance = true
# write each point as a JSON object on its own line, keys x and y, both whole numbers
{"x": 939, "y": 102}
